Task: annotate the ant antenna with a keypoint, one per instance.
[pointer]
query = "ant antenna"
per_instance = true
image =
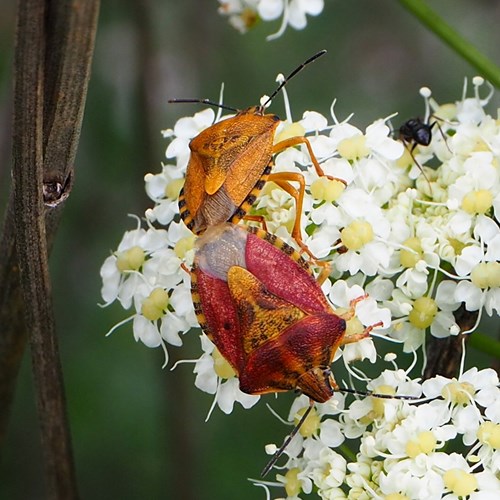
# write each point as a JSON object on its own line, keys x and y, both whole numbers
{"x": 290, "y": 436}
{"x": 292, "y": 74}
{"x": 205, "y": 101}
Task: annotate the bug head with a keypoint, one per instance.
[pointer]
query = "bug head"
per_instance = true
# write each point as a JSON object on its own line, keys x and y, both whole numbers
{"x": 318, "y": 384}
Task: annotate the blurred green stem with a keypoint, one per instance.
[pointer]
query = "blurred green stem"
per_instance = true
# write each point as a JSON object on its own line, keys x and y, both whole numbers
{"x": 348, "y": 453}
{"x": 436, "y": 24}
{"x": 485, "y": 344}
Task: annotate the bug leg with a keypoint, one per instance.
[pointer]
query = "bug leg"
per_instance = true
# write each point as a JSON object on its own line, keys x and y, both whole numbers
{"x": 411, "y": 150}
{"x": 325, "y": 272}
{"x": 283, "y": 179}
{"x": 441, "y": 132}
{"x": 257, "y": 218}
{"x": 358, "y": 334}
{"x": 295, "y": 141}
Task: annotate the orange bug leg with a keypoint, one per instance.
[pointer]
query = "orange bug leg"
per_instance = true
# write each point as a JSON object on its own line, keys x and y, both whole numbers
{"x": 356, "y": 332}
{"x": 283, "y": 179}
{"x": 300, "y": 139}
{"x": 257, "y": 218}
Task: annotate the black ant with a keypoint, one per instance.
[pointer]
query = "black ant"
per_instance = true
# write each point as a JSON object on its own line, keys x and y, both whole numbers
{"x": 416, "y": 132}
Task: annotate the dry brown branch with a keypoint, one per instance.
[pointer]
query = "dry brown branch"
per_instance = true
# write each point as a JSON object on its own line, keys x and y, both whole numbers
{"x": 54, "y": 46}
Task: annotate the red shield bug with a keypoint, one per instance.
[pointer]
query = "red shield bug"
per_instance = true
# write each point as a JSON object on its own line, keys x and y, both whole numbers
{"x": 259, "y": 303}
{"x": 257, "y": 300}
{"x": 231, "y": 161}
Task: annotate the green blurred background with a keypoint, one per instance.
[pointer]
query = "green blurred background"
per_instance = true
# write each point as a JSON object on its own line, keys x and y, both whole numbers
{"x": 139, "y": 431}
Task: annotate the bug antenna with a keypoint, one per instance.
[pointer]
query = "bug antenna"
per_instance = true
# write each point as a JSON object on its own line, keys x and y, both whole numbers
{"x": 292, "y": 74}
{"x": 286, "y": 442}
{"x": 205, "y": 101}
{"x": 374, "y": 394}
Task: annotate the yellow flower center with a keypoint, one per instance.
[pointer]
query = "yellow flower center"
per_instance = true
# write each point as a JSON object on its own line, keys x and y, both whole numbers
{"x": 310, "y": 425}
{"x": 410, "y": 257}
{"x": 486, "y": 275}
{"x": 292, "y": 130}
{"x": 221, "y": 367}
{"x": 457, "y": 245}
{"x": 423, "y": 313}
{"x": 184, "y": 245}
{"x": 353, "y": 327}
{"x": 131, "y": 259}
{"x": 489, "y": 433}
{"x": 378, "y": 403}
{"x": 292, "y": 483}
{"x": 327, "y": 189}
{"x": 353, "y": 147}
{"x": 459, "y": 482}
{"x": 477, "y": 202}
{"x": 425, "y": 442}
{"x": 405, "y": 160}
{"x": 357, "y": 234}
{"x": 458, "y": 392}
{"x": 155, "y": 305}
{"x": 173, "y": 188}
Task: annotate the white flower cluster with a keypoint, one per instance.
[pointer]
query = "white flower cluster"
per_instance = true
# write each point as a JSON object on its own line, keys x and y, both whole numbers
{"x": 419, "y": 241}
{"x": 243, "y": 14}
{"x": 404, "y": 451}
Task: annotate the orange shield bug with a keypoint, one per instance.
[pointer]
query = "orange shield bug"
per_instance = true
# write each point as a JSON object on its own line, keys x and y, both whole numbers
{"x": 231, "y": 161}
{"x": 257, "y": 300}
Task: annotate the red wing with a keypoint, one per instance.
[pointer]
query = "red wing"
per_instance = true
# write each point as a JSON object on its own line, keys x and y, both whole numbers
{"x": 219, "y": 318}
{"x": 283, "y": 276}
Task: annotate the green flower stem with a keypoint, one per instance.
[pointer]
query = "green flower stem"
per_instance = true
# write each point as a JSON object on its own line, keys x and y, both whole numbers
{"x": 453, "y": 39}
{"x": 485, "y": 344}
{"x": 348, "y": 453}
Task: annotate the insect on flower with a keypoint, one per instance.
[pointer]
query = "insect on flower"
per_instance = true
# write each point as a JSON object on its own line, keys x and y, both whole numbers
{"x": 257, "y": 300}
{"x": 415, "y": 132}
{"x": 231, "y": 161}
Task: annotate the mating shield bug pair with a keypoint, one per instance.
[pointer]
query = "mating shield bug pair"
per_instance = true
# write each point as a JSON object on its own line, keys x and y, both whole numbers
{"x": 231, "y": 161}
{"x": 255, "y": 297}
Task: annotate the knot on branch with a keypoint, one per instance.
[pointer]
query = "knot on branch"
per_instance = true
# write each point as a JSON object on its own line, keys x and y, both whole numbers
{"x": 56, "y": 190}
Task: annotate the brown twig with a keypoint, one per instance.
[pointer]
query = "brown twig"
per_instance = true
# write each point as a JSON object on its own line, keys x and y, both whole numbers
{"x": 55, "y": 40}
{"x": 444, "y": 355}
